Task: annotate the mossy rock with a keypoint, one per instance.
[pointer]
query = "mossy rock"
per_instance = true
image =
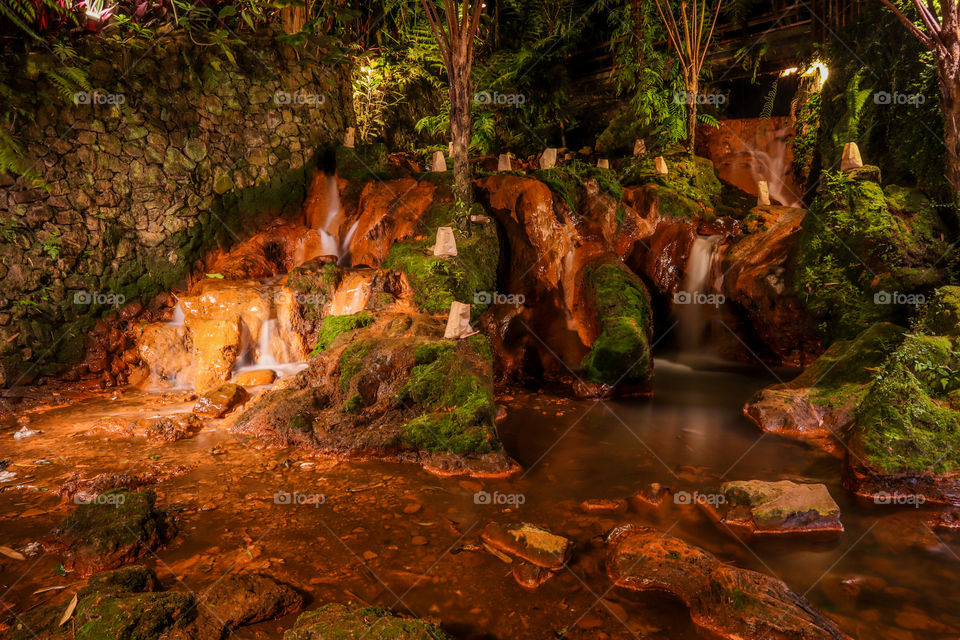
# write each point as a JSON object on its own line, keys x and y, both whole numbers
{"x": 941, "y": 315}
{"x": 909, "y": 420}
{"x": 344, "y": 622}
{"x": 115, "y": 605}
{"x": 621, "y": 352}
{"x": 333, "y": 326}
{"x": 314, "y": 282}
{"x": 863, "y": 256}
{"x": 439, "y": 281}
{"x": 452, "y": 385}
{"x": 567, "y": 181}
{"x": 691, "y": 179}
{"x": 116, "y": 528}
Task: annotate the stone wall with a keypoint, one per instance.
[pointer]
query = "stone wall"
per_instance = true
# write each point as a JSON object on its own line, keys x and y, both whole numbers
{"x": 177, "y": 152}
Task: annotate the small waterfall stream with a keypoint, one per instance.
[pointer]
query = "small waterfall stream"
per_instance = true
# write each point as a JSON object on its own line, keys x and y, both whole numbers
{"x": 696, "y": 305}
{"x": 773, "y": 167}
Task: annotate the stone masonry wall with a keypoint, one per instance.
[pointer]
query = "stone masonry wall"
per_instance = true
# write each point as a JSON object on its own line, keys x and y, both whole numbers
{"x": 177, "y": 152}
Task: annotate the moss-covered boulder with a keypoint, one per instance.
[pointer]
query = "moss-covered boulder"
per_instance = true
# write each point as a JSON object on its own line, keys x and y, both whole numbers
{"x": 819, "y": 405}
{"x": 439, "y": 280}
{"x": 908, "y": 425}
{"x": 345, "y": 622}
{"x": 394, "y": 389}
{"x": 867, "y": 254}
{"x": 113, "y": 529}
{"x": 620, "y": 354}
{"x": 117, "y": 605}
{"x": 333, "y": 326}
{"x": 690, "y": 189}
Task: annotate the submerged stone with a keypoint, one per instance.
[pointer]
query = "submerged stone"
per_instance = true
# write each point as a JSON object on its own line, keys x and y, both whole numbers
{"x": 724, "y": 600}
{"x": 531, "y": 543}
{"x": 345, "y": 622}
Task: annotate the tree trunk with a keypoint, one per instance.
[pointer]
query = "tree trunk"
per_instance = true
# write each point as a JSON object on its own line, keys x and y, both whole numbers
{"x": 948, "y": 71}
{"x": 459, "y": 79}
{"x": 692, "y": 88}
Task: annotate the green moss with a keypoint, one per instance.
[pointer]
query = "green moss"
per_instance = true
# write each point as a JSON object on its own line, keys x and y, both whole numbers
{"x": 908, "y": 422}
{"x": 691, "y": 179}
{"x": 456, "y": 402}
{"x": 941, "y": 315}
{"x": 855, "y": 253}
{"x": 313, "y": 282}
{"x": 351, "y": 361}
{"x": 342, "y": 622}
{"x": 430, "y": 351}
{"x": 567, "y": 181}
{"x": 353, "y": 404}
{"x": 333, "y": 326}
{"x": 118, "y": 519}
{"x": 301, "y": 422}
{"x": 621, "y": 352}
{"x": 439, "y": 281}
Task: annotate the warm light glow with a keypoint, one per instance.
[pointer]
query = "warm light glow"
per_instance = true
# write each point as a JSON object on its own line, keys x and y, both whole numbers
{"x": 817, "y": 70}
{"x": 789, "y": 72}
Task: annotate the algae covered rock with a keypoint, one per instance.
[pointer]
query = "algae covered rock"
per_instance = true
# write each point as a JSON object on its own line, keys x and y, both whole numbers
{"x": 114, "y": 529}
{"x": 345, "y": 622}
{"x": 724, "y": 600}
{"x": 819, "y": 405}
{"x": 117, "y": 605}
{"x": 780, "y": 507}
{"x": 620, "y": 354}
{"x": 531, "y": 543}
{"x": 690, "y": 187}
{"x": 866, "y": 255}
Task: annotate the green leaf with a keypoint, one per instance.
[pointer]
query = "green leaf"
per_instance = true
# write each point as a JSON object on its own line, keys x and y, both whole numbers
{"x": 227, "y": 11}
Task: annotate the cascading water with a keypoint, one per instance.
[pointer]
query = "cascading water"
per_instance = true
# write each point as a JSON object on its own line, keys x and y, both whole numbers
{"x": 774, "y": 168}
{"x": 697, "y": 302}
{"x": 330, "y": 228}
{"x": 351, "y": 295}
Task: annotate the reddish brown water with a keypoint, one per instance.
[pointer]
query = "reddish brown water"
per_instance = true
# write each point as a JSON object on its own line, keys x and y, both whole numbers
{"x": 357, "y": 543}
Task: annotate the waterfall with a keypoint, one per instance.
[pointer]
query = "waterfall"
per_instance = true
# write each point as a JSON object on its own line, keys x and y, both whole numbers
{"x": 774, "y": 168}
{"x": 698, "y": 301}
{"x": 330, "y": 227}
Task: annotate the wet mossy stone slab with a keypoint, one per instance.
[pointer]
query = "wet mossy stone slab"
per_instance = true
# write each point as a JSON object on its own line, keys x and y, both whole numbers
{"x": 344, "y": 622}
{"x": 529, "y": 542}
{"x": 112, "y": 530}
{"x": 116, "y": 605}
{"x": 785, "y": 506}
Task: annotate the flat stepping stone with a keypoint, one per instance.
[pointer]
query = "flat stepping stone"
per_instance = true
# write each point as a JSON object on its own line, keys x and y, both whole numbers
{"x": 529, "y": 542}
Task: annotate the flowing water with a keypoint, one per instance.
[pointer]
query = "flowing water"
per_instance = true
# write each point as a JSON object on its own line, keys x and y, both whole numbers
{"x": 696, "y": 305}
{"x": 395, "y": 536}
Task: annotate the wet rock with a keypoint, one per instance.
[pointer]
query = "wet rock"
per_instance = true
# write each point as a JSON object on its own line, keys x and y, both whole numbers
{"x": 121, "y": 605}
{"x": 170, "y": 428}
{"x": 949, "y": 519}
{"x": 114, "y": 529}
{"x": 819, "y": 405}
{"x": 725, "y": 600}
{"x": 238, "y": 600}
{"x": 355, "y": 623}
{"x": 80, "y": 489}
{"x": 602, "y": 506}
{"x": 531, "y": 543}
{"x": 221, "y": 400}
{"x": 257, "y": 378}
{"x": 530, "y": 576}
{"x": 652, "y": 495}
{"x": 755, "y": 507}
{"x": 756, "y": 279}
{"x": 165, "y": 349}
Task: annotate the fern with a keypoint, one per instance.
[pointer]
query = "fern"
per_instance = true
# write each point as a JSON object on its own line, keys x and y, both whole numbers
{"x": 769, "y": 101}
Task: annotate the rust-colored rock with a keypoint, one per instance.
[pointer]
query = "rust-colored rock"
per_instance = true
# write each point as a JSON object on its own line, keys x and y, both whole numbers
{"x": 221, "y": 400}
{"x": 724, "y": 600}
{"x": 531, "y": 543}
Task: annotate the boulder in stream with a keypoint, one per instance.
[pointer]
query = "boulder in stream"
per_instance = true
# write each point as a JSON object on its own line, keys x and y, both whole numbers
{"x": 346, "y": 622}
{"x": 221, "y": 401}
{"x": 530, "y": 543}
{"x": 112, "y": 530}
{"x": 724, "y": 600}
{"x": 757, "y": 507}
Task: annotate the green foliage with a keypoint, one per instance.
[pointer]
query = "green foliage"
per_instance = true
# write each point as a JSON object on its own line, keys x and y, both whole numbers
{"x": 333, "y": 326}
{"x": 854, "y": 244}
{"x": 690, "y": 185}
{"x": 567, "y": 181}
{"x": 51, "y": 244}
